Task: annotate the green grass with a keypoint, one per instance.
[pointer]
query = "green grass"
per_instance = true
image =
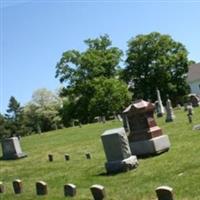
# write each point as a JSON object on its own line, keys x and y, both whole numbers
{"x": 178, "y": 168}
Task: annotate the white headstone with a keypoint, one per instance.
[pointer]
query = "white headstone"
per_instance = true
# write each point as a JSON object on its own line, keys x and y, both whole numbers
{"x": 161, "y": 110}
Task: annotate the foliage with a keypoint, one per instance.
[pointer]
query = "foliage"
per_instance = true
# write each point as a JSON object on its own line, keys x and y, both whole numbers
{"x": 157, "y": 61}
{"x": 110, "y": 96}
{"x": 177, "y": 168}
{"x": 42, "y": 112}
{"x": 84, "y": 73}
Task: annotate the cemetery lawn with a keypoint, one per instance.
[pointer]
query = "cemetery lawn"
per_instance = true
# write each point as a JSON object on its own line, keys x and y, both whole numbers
{"x": 178, "y": 168}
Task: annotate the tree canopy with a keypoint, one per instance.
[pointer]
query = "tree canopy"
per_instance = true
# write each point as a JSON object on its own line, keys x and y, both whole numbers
{"x": 84, "y": 72}
{"x": 156, "y": 61}
{"x": 42, "y": 112}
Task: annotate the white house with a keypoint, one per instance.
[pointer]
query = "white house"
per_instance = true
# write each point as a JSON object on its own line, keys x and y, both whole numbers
{"x": 193, "y": 78}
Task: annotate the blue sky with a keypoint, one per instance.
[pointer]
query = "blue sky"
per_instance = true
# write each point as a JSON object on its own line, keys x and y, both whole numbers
{"x": 35, "y": 33}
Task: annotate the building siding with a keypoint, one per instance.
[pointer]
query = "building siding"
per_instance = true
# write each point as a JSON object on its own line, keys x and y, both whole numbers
{"x": 195, "y": 86}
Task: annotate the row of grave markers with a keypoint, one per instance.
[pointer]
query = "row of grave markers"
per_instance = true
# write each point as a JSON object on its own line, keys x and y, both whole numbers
{"x": 67, "y": 157}
{"x": 98, "y": 191}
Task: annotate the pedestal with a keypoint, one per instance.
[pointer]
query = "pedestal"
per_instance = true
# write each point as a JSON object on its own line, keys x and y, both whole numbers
{"x": 121, "y": 165}
{"x": 152, "y": 146}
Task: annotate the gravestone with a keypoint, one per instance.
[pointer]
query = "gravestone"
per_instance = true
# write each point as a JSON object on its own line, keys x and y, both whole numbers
{"x": 70, "y": 190}
{"x": 164, "y": 193}
{"x": 88, "y": 156}
{"x": 2, "y": 189}
{"x": 117, "y": 151}
{"x": 190, "y": 112}
{"x": 144, "y": 136}
{"x": 17, "y": 186}
{"x": 194, "y": 99}
{"x": 169, "y": 111}
{"x": 50, "y": 157}
{"x": 160, "y": 109}
{"x": 11, "y": 149}
{"x": 98, "y": 192}
{"x": 41, "y": 188}
{"x": 179, "y": 106}
{"x": 185, "y": 106}
{"x": 67, "y": 157}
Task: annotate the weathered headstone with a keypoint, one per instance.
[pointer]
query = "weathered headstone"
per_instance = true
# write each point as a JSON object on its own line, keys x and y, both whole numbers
{"x": 2, "y": 188}
{"x": 117, "y": 150}
{"x": 161, "y": 110}
{"x": 88, "y": 156}
{"x": 70, "y": 190}
{"x": 144, "y": 136}
{"x": 67, "y": 157}
{"x": 41, "y": 188}
{"x": 11, "y": 149}
{"x": 50, "y": 157}
{"x": 98, "y": 192}
{"x": 190, "y": 112}
{"x": 164, "y": 193}
{"x": 17, "y": 186}
{"x": 194, "y": 99}
{"x": 169, "y": 111}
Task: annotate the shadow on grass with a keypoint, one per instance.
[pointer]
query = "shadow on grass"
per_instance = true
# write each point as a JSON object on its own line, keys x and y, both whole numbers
{"x": 147, "y": 156}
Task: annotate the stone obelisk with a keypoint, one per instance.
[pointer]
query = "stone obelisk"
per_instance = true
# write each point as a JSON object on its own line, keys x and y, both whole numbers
{"x": 161, "y": 109}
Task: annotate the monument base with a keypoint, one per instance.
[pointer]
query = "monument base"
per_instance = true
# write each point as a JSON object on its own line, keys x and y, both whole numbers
{"x": 152, "y": 146}
{"x": 121, "y": 165}
{"x": 14, "y": 156}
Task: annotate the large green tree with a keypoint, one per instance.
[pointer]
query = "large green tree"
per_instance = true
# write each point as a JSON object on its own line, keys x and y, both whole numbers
{"x": 156, "y": 61}
{"x": 110, "y": 97}
{"x": 79, "y": 70}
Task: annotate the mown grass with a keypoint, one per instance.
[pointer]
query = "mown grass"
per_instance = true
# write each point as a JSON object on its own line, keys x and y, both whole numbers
{"x": 178, "y": 168}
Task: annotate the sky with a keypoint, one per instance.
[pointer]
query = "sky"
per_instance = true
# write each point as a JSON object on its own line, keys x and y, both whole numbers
{"x": 35, "y": 33}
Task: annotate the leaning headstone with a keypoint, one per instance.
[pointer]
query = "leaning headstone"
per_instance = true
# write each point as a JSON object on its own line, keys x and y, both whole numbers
{"x": 67, "y": 157}
{"x": 50, "y": 156}
{"x": 11, "y": 149}
{"x": 41, "y": 188}
{"x": 169, "y": 111}
{"x": 145, "y": 137}
{"x": 17, "y": 186}
{"x": 161, "y": 110}
{"x": 88, "y": 155}
{"x": 70, "y": 190}
{"x": 98, "y": 192}
{"x": 164, "y": 193}
{"x": 2, "y": 189}
{"x": 117, "y": 150}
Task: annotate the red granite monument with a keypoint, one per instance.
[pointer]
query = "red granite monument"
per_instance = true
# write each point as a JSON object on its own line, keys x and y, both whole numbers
{"x": 145, "y": 137}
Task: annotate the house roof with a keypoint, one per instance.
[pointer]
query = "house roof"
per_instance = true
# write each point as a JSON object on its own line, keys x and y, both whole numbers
{"x": 194, "y": 72}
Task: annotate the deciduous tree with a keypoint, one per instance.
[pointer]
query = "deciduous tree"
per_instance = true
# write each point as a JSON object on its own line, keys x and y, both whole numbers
{"x": 156, "y": 61}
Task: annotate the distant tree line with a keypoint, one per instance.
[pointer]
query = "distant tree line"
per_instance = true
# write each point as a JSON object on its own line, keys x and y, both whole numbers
{"x": 96, "y": 84}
